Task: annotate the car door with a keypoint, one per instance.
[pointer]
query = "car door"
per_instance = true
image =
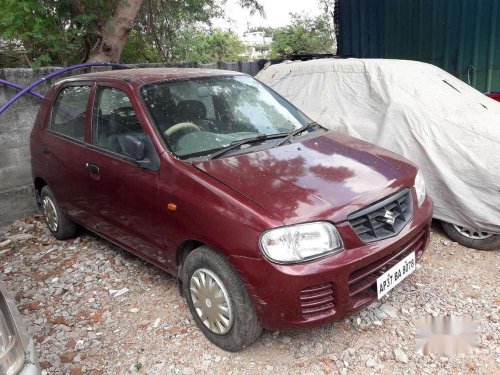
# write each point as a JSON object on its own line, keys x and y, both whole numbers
{"x": 125, "y": 196}
{"x": 64, "y": 141}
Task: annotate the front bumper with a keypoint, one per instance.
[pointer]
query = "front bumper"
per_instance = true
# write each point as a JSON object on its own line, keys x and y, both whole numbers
{"x": 290, "y": 297}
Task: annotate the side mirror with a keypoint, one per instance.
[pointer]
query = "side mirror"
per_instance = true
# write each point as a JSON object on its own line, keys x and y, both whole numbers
{"x": 134, "y": 147}
{"x": 142, "y": 151}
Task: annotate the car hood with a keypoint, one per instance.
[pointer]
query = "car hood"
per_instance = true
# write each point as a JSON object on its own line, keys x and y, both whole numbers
{"x": 326, "y": 177}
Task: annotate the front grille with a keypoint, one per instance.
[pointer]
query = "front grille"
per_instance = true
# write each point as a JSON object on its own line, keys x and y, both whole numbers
{"x": 363, "y": 281}
{"x": 317, "y": 300}
{"x": 383, "y": 219}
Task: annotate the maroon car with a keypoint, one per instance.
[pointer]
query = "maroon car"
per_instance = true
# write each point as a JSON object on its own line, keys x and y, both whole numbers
{"x": 267, "y": 219}
{"x": 494, "y": 95}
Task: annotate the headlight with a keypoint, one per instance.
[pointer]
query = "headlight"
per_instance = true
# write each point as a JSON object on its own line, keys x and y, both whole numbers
{"x": 302, "y": 242}
{"x": 420, "y": 187}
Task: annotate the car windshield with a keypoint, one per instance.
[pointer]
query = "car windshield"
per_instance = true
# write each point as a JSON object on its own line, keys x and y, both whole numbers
{"x": 199, "y": 116}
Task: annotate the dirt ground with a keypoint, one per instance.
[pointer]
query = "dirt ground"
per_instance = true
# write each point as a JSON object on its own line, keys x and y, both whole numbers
{"x": 95, "y": 309}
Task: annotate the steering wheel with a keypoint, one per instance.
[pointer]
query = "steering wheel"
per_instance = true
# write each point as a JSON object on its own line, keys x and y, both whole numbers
{"x": 175, "y": 132}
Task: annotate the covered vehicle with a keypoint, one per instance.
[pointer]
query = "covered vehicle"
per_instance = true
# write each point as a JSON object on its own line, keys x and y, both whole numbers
{"x": 421, "y": 112}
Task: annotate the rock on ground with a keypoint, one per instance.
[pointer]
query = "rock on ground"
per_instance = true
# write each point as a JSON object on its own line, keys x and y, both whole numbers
{"x": 95, "y": 309}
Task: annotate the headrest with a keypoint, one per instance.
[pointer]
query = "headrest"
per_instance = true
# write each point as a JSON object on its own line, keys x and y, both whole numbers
{"x": 190, "y": 110}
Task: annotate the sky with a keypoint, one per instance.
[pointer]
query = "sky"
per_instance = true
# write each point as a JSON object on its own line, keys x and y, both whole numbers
{"x": 277, "y": 14}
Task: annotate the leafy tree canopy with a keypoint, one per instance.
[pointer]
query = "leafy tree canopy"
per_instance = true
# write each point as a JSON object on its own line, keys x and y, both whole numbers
{"x": 45, "y": 32}
{"x": 303, "y": 36}
{"x": 65, "y": 32}
{"x": 218, "y": 45}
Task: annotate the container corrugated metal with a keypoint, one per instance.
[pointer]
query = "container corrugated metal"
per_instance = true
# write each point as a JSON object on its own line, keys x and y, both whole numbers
{"x": 460, "y": 36}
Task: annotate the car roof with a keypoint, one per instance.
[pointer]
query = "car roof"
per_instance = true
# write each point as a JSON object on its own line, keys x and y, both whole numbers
{"x": 149, "y": 75}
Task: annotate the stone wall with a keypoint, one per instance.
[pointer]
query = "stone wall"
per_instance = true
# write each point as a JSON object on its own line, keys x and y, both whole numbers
{"x": 16, "y": 190}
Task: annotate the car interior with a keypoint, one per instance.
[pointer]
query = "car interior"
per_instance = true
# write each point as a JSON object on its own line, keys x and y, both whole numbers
{"x": 177, "y": 117}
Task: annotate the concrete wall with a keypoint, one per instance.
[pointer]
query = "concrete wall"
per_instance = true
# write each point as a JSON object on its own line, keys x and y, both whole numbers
{"x": 16, "y": 190}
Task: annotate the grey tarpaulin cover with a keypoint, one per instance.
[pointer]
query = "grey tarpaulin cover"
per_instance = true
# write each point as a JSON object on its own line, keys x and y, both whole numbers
{"x": 417, "y": 110}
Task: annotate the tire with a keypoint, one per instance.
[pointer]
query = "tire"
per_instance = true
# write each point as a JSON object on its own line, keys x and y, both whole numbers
{"x": 489, "y": 243}
{"x": 244, "y": 327}
{"x": 63, "y": 227}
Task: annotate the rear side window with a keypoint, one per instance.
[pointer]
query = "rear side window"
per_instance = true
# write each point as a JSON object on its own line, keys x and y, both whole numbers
{"x": 69, "y": 112}
{"x": 114, "y": 118}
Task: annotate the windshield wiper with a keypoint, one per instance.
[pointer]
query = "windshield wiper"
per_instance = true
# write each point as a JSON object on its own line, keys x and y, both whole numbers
{"x": 235, "y": 144}
{"x": 297, "y": 132}
{"x": 241, "y": 142}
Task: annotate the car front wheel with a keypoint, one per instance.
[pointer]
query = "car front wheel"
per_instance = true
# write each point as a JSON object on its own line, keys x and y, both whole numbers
{"x": 475, "y": 239}
{"x": 218, "y": 300}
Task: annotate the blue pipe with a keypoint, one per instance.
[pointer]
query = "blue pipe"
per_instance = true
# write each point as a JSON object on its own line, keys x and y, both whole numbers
{"x": 52, "y": 75}
{"x": 15, "y": 86}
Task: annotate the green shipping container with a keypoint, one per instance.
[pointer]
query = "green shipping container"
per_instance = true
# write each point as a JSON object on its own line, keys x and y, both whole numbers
{"x": 460, "y": 36}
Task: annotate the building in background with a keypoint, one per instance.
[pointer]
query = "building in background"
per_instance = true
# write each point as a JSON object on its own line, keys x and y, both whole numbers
{"x": 258, "y": 43}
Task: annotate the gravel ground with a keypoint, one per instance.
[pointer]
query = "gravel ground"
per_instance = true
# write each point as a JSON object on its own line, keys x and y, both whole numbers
{"x": 95, "y": 309}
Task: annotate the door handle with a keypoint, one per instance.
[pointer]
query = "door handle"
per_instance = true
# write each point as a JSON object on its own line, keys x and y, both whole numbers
{"x": 92, "y": 168}
{"x": 46, "y": 149}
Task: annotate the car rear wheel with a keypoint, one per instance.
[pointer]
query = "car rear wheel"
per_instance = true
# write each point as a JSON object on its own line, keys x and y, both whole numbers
{"x": 59, "y": 225}
{"x": 218, "y": 300}
{"x": 475, "y": 239}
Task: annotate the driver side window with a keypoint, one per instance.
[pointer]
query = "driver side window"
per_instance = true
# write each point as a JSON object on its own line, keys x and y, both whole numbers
{"x": 113, "y": 119}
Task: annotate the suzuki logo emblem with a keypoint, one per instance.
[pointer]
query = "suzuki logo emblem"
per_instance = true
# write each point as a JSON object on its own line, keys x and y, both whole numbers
{"x": 389, "y": 217}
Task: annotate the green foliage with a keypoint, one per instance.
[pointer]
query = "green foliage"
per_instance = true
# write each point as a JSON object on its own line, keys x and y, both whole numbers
{"x": 304, "y": 35}
{"x": 173, "y": 26}
{"x": 138, "y": 366}
{"x": 169, "y": 24}
{"x": 262, "y": 48}
{"x": 201, "y": 47}
{"x": 50, "y": 32}
{"x": 139, "y": 50}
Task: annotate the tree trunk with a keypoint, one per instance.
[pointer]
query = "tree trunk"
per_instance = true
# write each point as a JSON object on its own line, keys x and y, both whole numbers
{"x": 114, "y": 33}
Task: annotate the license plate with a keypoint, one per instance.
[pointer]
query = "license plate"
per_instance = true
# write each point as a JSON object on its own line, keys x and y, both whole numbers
{"x": 395, "y": 275}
